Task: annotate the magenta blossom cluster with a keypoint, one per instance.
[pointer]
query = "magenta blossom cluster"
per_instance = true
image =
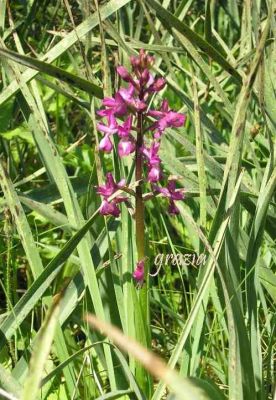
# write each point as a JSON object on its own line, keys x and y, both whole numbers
{"x": 139, "y": 130}
{"x": 120, "y": 116}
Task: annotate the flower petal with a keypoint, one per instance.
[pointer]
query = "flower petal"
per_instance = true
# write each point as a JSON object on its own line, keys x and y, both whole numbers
{"x": 105, "y": 144}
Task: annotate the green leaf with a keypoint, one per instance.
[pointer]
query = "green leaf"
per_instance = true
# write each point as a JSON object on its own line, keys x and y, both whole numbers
{"x": 8, "y": 383}
{"x": 41, "y": 350}
{"x": 170, "y": 21}
{"x": 58, "y": 73}
{"x": 83, "y": 29}
{"x": 268, "y": 280}
{"x": 40, "y": 285}
{"x": 21, "y": 222}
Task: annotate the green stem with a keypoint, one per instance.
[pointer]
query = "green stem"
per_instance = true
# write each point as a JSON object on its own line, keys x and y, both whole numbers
{"x": 140, "y": 229}
{"x": 140, "y": 224}
{"x": 143, "y": 331}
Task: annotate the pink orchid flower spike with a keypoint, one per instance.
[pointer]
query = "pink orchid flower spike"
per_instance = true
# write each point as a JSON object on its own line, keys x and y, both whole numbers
{"x": 121, "y": 115}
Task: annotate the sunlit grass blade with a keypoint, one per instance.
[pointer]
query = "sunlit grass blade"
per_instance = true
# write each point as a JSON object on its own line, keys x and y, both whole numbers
{"x": 255, "y": 239}
{"x": 184, "y": 388}
{"x": 8, "y": 383}
{"x": 41, "y": 284}
{"x": 21, "y": 222}
{"x": 170, "y": 21}
{"x": 61, "y": 47}
{"x": 55, "y": 72}
{"x": 200, "y": 158}
{"x": 41, "y": 350}
{"x": 204, "y": 284}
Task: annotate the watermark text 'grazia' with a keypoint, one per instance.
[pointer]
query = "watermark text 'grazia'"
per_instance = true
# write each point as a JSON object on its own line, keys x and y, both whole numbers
{"x": 181, "y": 260}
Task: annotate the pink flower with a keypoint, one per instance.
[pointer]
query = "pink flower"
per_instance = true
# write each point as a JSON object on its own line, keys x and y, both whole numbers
{"x": 110, "y": 207}
{"x": 124, "y": 74}
{"x": 157, "y": 85}
{"x": 153, "y": 159}
{"x": 172, "y": 194}
{"x": 126, "y": 146}
{"x": 138, "y": 105}
{"x": 170, "y": 191}
{"x": 166, "y": 119}
{"x": 127, "y": 95}
{"x": 111, "y": 127}
{"x": 171, "y": 119}
{"x": 124, "y": 130}
{"x": 139, "y": 272}
{"x": 151, "y": 80}
{"x": 151, "y": 153}
{"x": 114, "y": 105}
{"x": 105, "y": 144}
{"x": 160, "y": 113}
{"x": 110, "y": 187}
{"x": 154, "y": 174}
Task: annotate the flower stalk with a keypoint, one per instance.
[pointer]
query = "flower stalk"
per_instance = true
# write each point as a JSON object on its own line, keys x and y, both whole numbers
{"x": 140, "y": 130}
{"x": 139, "y": 203}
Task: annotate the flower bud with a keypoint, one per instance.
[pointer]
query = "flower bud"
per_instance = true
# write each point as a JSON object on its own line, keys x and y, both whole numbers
{"x": 139, "y": 272}
{"x": 111, "y": 208}
{"x": 158, "y": 85}
{"x": 144, "y": 77}
{"x": 124, "y": 74}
